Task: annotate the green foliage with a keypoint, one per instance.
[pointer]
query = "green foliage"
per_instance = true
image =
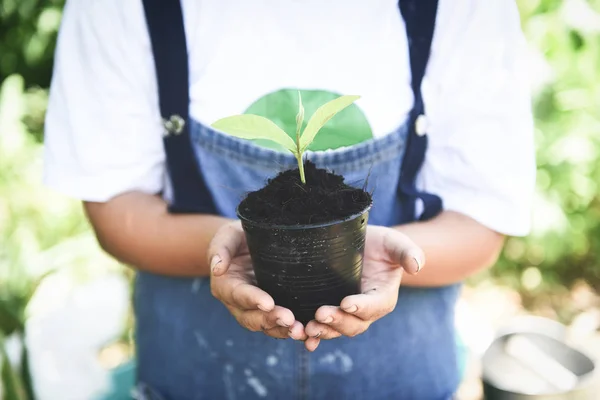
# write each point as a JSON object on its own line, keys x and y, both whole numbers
{"x": 12, "y": 382}
{"x": 248, "y": 126}
{"x": 28, "y": 30}
{"x": 565, "y": 243}
{"x": 350, "y": 127}
{"x": 41, "y": 232}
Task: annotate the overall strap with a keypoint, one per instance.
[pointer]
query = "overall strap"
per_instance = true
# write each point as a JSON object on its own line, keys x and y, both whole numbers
{"x": 419, "y": 18}
{"x": 167, "y": 35}
{"x": 190, "y": 193}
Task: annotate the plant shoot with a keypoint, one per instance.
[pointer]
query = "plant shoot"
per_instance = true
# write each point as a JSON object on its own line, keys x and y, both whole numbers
{"x": 249, "y": 126}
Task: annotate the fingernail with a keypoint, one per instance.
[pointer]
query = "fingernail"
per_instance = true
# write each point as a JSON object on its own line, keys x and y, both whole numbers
{"x": 290, "y": 334}
{"x": 281, "y": 323}
{"x": 216, "y": 260}
{"x": 317, "y": 335}
{"x": 351, "y": 309}
{"x": 418, "y": 263}
{"x": 328, "y": 320}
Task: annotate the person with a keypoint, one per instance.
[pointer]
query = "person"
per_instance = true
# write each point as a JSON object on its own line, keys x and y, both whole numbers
{"x": 443, "y": 129}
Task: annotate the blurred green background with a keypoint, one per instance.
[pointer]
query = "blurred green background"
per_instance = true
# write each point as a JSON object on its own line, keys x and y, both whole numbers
{"x": 43, "y": 233}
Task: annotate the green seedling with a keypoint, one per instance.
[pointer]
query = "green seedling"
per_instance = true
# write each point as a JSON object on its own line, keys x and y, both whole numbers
{"x": 249, "y": 126}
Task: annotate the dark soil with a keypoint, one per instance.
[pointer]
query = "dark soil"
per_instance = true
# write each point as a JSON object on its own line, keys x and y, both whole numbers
{"x": 285, "y": 200}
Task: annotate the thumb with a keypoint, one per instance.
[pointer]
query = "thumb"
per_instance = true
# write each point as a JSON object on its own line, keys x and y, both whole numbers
{"x": 403, "y": 251}
{"x": 224, "y": 246}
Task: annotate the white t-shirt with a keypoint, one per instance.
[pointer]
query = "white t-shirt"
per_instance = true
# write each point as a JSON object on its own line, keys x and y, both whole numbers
{"x": 104, "y": 131}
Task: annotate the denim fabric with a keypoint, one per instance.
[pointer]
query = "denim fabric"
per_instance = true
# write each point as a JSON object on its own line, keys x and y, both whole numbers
{"x": 191, "y": 348}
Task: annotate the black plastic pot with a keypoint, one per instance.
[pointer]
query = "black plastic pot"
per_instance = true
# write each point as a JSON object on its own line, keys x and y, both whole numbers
{"x": 304, "y": 267}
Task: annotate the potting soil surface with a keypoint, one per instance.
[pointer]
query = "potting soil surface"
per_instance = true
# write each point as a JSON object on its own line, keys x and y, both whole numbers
{"x": 285, "y": 200}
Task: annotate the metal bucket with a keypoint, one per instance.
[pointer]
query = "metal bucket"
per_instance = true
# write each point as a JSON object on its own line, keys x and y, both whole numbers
{"x": 531, "y": 361}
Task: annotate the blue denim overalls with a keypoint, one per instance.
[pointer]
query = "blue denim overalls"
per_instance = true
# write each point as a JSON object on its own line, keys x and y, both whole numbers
{"x": 191, "y": 348}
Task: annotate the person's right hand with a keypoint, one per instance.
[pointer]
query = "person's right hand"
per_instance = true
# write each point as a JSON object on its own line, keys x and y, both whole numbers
{"x": 234, "y": 284}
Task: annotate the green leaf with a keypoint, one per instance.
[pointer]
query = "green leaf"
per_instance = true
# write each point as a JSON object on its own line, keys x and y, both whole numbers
{"x": 249, "y": 126}
{"x": 35, "y": 284}
{"x": 25, "y": 371}
{"x": 11, "y": 383}
{"x": 299, "y": 118}
{"x": 322, "y": 116}
{"x": 9, "y": 318}
{"x": 349, "y": 128}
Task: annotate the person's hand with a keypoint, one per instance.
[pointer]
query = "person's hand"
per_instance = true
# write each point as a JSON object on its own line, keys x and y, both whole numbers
{"x": 387, "y": 254}
{"x": 234, "y": 284}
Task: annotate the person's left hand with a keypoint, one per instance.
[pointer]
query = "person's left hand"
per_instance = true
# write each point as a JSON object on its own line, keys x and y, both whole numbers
{"x": 387, "y": 254}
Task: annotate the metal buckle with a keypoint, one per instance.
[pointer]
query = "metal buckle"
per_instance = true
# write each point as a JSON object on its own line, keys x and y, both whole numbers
{"x": 421, "y": 125}
{"x": 174, "y": 125}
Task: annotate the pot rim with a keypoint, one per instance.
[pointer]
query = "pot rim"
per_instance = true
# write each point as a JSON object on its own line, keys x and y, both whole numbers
{"x": 305, "y": 226}
{"x": 584, "y": 381}
{"x": 584, "y": 384}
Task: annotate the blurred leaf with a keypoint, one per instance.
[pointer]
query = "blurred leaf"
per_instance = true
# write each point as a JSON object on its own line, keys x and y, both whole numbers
{"x": 565, "y": 243}
{"x": 28, "y": 30}
{"x": 26, "y": 378}
{"x": 11, "y": 382}
{"x": 577, "y": 40}
{"x": 10, "y": 320}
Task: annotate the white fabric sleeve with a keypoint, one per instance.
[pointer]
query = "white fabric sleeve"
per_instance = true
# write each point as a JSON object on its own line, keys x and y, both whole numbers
{"x": 103, "y": 133}
{"x": 481, "y": 156}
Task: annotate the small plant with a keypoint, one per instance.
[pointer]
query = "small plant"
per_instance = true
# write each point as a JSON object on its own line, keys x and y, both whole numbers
{"x": 249, "y": 126}
{"x": 283, "y": 219}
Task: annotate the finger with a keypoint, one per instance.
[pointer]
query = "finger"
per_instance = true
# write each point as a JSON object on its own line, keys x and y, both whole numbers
{"x": 401, "y": 250}
{"x": 311, "y": 344}
{"x": 320, "y": 331}
{"x": 281, "y": 317}
{"x": 278, "y": 332}
{"x": 226, "y": 243}
{"x": 239, "y": 294}
{"x": 344, "y": 323}
{"x": 296, "y": 331}
{"x": 371, "y": 305}
{"x": 255, "y": 320}
{"x": 249, "y": 297}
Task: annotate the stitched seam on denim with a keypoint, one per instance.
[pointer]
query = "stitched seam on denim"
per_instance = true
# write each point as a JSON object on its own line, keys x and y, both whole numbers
{"x": 345, "y": 160}
{"x": 344, "y": 166}
{"x": 236, "y": 148}
{"x": 219, "y": 140}
{"x": 341, "y": 165}
{"x": 247, "y": 160}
